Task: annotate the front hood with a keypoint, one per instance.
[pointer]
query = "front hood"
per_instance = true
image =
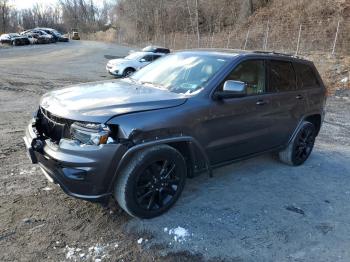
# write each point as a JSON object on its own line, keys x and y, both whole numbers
{"x": 99, "y": 101}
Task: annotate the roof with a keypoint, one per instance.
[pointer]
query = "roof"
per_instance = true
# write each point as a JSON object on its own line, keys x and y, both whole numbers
{"x": 145, "y": 53}
{"x": 238, "y": 52}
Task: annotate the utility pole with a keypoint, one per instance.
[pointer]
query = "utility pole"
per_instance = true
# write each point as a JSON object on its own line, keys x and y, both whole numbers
{"x": 246, "y": 40}
{"x": 197, "y": 21}
{"x": 335, "y": 38}
{"x": 298, "y": 43}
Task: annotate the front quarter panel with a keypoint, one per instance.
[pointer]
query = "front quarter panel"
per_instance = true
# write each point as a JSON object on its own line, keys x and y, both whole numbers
{"x": 183, "y": 120}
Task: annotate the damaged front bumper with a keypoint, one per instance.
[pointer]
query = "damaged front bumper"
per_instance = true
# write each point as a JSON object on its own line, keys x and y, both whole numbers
{"x": 84, "y": 172}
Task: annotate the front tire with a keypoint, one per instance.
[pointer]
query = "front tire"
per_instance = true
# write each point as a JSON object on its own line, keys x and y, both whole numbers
{"x": 300, "y": 148}
{"x": 128, "y": 72}
{"x": 151, "y": 182}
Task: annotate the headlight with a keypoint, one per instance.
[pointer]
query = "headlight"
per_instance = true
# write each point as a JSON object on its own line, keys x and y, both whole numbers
{"x": 90, "y": 133}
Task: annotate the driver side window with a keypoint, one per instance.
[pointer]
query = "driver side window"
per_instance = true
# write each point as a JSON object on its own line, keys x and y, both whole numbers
{"x": 251, "y": 72}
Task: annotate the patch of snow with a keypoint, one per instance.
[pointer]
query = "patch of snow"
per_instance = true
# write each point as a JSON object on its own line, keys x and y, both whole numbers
{"x": 179, "y": 233}
{"x": 139, "y": 241}
{"x": 95, "y": 253}
{"x": 47, "y": 188}
{"x": 344, "y": 80}
{"x": 70, "y": 252}
{"x": 27, "y": 171}
{"x": 98, "y": 249}
{"x": 165, "y": 229}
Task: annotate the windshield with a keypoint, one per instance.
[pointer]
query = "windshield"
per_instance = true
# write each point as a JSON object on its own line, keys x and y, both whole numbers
{"x": 184, "y": 73}
{"x": 135, "y": 55}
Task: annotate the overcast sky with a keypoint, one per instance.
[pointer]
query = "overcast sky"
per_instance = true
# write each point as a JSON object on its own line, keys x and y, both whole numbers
{"x": 22, "y": 4}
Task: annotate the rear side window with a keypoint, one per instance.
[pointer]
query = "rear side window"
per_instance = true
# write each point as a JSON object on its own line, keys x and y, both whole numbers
{"x": 251, "y": 72}
{"x": 156, "y": 57}
{"x": 281, "y": 76}
{"x": 306, "y": 77}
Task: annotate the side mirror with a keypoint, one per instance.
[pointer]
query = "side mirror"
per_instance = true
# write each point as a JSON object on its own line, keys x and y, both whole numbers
{"x": 232, "y": 89}
{"x": 142, "y": 60}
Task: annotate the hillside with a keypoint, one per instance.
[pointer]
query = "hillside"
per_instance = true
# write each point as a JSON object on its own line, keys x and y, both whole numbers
{"x": 305, "y": 27}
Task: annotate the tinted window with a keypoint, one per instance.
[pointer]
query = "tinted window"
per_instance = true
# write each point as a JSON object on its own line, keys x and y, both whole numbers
{"x": 156, "y": 57}
{"x": 148, "y": 58}
{"x": 252, "y": 73}
{"x": 163, "y": 50}
{"x": 281, "y": 76}
{"x": 306, "y": 77}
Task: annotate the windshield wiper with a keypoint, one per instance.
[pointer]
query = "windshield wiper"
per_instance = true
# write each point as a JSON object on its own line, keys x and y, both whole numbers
{"x": 152, "y": 84}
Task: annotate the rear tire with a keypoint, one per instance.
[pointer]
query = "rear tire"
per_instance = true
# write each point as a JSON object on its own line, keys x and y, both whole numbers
{"x": 300, "y": 148}
{"x": 151, "y": 182}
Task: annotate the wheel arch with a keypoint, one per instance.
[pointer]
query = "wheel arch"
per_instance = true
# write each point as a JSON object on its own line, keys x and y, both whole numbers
{"x": 129, "y": 67}
{"x": 185, "y": 145}
{"x": 316, "y": 120}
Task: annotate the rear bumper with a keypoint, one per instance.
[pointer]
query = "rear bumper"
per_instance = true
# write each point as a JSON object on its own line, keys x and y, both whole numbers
{"x": 84, "y": 172}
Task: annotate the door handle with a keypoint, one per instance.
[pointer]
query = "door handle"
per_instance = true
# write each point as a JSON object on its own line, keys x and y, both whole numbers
{"x": 299, "y": 97}
{"x": 261, "y": 102}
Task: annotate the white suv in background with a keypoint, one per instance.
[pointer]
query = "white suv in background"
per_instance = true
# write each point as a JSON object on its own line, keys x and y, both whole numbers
{"x": 123, "y": 67}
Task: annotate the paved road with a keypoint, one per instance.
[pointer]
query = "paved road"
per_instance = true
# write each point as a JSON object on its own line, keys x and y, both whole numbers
{"x": 255, "y": 210}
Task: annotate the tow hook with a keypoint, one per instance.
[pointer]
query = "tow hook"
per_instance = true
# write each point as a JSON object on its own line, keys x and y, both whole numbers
{"x": 37, "y": 145}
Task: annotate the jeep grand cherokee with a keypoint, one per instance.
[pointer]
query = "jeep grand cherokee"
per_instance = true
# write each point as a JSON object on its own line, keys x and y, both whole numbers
{"x": 138, "y": 139}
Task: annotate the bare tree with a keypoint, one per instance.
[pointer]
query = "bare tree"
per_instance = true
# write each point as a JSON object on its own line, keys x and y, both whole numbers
{"x": 4, "y": 15}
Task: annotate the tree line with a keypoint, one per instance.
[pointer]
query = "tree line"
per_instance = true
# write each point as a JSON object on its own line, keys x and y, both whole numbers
{"x": 144, "y": 18}
{"x": 64, "y": 15}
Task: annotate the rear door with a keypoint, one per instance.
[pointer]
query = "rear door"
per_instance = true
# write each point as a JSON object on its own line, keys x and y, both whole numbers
{"x": 310, "y": 87}
{"x": 287, "y": 102}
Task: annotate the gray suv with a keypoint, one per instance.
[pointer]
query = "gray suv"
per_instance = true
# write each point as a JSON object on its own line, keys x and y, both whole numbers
{"x": 138, "y": 139}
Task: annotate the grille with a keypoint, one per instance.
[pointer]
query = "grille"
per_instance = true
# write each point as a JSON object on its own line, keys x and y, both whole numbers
{"x": 52, "y": 126}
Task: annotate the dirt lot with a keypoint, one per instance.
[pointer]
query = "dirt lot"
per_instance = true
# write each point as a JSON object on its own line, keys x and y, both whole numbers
{"x": 255, "y": 210}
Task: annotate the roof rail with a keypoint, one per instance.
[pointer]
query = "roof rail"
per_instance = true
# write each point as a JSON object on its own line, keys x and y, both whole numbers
{"x": 275, "y": 53}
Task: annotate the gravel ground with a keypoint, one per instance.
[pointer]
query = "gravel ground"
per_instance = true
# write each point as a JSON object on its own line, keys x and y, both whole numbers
{"x": 255, "y": 210}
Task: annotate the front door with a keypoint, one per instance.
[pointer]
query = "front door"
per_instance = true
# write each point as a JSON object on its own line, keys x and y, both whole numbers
{"x": 241, "y": 126}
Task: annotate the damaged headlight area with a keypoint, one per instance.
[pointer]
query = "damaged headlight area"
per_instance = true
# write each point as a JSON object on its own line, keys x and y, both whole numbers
{"x": 91, "y": 133}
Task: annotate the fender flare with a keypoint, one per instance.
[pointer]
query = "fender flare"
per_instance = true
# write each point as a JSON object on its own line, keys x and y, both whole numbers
{"x": 296, "y": 130}
{"x": 128, "y": 154}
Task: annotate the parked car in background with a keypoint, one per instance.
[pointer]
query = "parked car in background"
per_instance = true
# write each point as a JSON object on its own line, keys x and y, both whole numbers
{"x": 123, "y": 67}
{"x": 75, "y": 34}
{"x": 41, "y": 36}
{"x": 55, "y": 34}
{"x": 156, "y": 49}
{"x": 14, "y": 39}
{"x": 137, "y": 139}
{"x": 32, "y": 39}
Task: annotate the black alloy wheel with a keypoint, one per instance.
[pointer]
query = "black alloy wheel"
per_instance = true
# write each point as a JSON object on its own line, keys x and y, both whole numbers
{"x": 151, "y": 182}
{"x": 157, "y": 185}
{"x": 304, "y": 144}
{"x": 128, "y": 72}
